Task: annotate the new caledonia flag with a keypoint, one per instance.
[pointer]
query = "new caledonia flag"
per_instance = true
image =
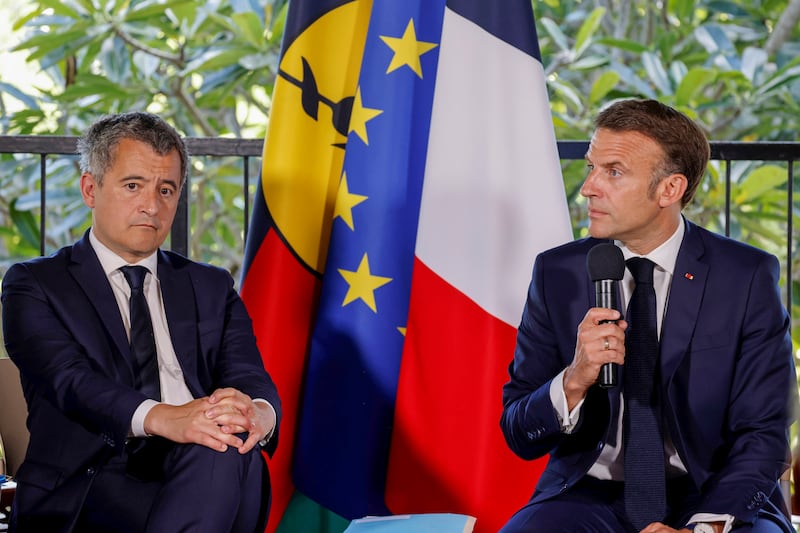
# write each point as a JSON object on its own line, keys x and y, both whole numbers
{"x": 410, "y": 177}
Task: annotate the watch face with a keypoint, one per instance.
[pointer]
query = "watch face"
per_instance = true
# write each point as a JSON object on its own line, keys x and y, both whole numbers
{"x": 703, "y": 528}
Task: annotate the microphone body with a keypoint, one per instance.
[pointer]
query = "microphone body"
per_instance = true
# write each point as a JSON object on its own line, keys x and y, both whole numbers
{"x": 606, "y": 295}
{"x": 606, "y": 266}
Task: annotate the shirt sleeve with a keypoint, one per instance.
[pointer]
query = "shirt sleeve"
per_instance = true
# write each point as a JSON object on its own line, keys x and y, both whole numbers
{"x": 263, "y": 442}
{"x": 567, "y": 419}
{"x": 137, "y": 422}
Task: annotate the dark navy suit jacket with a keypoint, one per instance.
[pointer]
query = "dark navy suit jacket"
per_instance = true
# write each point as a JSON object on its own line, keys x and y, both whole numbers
{"x": 726, "y": 373}
{"x": 64, "y": 331}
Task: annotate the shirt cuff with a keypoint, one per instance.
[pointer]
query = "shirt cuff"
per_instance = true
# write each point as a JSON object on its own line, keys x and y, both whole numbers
{"x": 708, "y": 518}
{"x": 137, "y": 422}
{"x": 566, "y": 419}
{"x": 263, "y": 442}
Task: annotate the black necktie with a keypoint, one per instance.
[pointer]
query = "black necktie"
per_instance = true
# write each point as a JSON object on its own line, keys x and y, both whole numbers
{"x": 645, "y": 490}
{"x": 143, "y": 343}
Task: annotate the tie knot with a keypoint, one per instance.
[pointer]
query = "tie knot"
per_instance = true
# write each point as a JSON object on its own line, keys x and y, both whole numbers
{"x": 135, "y": 276}
{"x": 641, "y": 268}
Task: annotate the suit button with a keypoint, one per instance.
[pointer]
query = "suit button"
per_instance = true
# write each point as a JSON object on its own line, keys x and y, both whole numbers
{"x": 600, "y": 445}
{"x": 90, "y": 471}
{"x": 564, "y": 487}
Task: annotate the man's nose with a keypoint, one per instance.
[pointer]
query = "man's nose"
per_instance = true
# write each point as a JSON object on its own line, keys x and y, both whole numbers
{"x": 589, "y": 187}
{"x": 149, "y": 202}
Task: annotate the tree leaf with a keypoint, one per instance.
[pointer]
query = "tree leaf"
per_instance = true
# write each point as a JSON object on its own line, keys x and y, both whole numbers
{"x": 763, "y": 179}
{"x": 26, "y": 224}
{"x": 590, "y": 62}
{"x": 624, "y": 44}
{"x": 26, "y": 99}
{"x": 146, "y": 11}
{"x": 780, "y": 79}
{"x": 693, "y": 82}
{"x": 250, "y": 27}
{"x": 602, "y": 85}
{"x": 587, "y": 30}
{"x": 656, "y": 72}
{"x": 555, "y": 32}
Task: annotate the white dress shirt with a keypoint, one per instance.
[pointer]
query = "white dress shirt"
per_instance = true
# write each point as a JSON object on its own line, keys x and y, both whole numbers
{"x": 173, "y": 385}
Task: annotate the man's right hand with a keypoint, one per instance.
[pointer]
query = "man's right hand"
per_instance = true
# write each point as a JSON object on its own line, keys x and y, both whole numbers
{"x": 598, "y": 342}
{"x": 188, "y": 423}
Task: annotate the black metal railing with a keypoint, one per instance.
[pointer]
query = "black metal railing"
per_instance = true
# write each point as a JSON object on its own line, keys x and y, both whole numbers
{"x": 724, "y": 152}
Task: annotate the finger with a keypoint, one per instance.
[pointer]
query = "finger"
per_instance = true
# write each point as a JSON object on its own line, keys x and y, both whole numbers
{"x": 599, "y": 315}
{"x": 220, "y": 394}
{"x": 232, "y": 419}
{"x": 249, "y": 444}
{"x": 233, "y": 429}
{"x": 236, "y": 399}
{"x": 228, "y": 438}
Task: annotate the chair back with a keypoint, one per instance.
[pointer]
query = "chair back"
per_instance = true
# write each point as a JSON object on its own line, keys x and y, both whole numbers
{"x": 13, "y": 412}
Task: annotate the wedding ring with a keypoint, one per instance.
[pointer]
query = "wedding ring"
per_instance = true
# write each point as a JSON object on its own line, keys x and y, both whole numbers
{"x": 606, "y": 346}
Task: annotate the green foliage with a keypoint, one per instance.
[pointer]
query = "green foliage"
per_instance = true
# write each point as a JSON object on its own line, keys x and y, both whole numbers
{"x": 208, "y": 67}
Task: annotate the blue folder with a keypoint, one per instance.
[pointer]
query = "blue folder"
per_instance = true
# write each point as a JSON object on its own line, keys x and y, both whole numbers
{"x": 413, "y": 523}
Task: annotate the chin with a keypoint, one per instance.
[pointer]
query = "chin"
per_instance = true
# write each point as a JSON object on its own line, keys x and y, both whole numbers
{"x": 599, "y": 233}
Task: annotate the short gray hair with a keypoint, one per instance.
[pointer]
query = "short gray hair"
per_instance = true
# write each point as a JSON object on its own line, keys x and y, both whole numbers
{"x": 97, "y": 147}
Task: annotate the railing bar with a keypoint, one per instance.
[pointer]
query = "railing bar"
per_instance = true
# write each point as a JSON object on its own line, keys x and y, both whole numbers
{"x": 42, "y": 202}
{"x": 179, "y": 234}
{"x": 246, "y": 196}
{"x": 790, "y": 238}
{"x": 727, "y": 197}
{"x": 211, "y": 146}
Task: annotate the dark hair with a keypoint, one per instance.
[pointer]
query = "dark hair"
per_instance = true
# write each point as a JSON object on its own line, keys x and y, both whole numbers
{"x": 686, "y": 149}
{"x": 97, "y": 147}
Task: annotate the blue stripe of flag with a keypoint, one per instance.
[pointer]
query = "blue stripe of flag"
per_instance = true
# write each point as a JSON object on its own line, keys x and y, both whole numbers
{"x": 492, "y": 16}
{"x": 346, "y": 419}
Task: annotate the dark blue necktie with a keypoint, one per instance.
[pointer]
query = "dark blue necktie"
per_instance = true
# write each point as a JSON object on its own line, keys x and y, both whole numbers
{"x": 645, "y": 480}
{"x": 143, "y": 344}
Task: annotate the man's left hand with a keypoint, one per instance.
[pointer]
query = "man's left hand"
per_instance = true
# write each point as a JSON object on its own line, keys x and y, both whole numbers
{"x": 236, "y": 412}
{"x": 658, "y": 527}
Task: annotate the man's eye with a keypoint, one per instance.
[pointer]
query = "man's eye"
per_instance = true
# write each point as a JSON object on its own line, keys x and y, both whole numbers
{"x": 166, "y": 191}
{"x": 132, "y": 186}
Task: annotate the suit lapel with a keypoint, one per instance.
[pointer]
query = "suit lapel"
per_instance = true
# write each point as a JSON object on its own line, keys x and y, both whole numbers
{"x": 85, "y": 268}
{"x": 178, "y": 296}
{"x": 686, "y": 294}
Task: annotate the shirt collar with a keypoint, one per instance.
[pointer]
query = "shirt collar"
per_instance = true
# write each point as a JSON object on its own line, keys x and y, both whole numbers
{"x": 666, "y": 255}
{"x": 112, "y": 262}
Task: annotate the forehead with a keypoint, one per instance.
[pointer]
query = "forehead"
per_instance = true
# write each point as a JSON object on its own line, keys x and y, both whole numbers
{"x": 136, "y": 158}
{"x": 623, "y": 147}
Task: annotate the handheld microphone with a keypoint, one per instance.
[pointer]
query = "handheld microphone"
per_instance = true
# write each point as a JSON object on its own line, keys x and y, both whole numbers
{"x": 606, "y": 266}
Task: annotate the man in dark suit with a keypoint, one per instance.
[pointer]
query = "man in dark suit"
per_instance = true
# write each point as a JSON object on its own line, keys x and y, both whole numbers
{"x": 722, "y": 379}
{"x": 124, "y": 436}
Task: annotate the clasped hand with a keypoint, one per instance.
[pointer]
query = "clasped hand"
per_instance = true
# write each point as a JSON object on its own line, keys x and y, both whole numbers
{"x": 213, "y": 421}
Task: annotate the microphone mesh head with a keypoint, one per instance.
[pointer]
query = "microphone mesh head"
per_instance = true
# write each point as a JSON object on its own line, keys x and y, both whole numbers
{"x": 605, "y": 261}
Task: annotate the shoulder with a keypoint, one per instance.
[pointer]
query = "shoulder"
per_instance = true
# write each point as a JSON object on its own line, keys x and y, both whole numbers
{"x": 50, "y": 265}
{"x": 569, "y": 253}
{"x": 719, "y": 248}
{"x": 194, "y": 269}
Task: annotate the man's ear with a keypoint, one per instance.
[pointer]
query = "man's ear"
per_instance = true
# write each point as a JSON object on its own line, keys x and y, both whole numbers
{"x": 671, "y": 189}
{"x": 88, "y": 188}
